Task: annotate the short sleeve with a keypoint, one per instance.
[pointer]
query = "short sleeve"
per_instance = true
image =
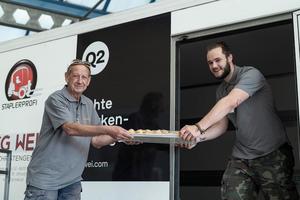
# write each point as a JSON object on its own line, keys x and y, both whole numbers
{"x": 251, "y": 81}
{"x": 57, "y": 111}
{"x": 95, "y": 118}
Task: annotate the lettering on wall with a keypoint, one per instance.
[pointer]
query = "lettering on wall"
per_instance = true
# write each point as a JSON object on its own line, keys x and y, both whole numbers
{"x": 108, "y": 120}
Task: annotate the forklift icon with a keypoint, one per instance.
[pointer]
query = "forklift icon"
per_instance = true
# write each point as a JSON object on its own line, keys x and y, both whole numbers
{"x": 20, "y": 82}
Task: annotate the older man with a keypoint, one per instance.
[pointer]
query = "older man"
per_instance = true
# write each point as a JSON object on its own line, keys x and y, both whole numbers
{"x": 70, "y": 124}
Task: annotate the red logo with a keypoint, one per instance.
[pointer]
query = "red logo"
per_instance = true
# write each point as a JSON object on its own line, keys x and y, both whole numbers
{"x": 21, "y": 80}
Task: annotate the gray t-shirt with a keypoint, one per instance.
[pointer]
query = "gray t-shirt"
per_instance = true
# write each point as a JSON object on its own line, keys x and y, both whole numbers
{"x": 259, "y": 130}
{"x": 58, "y": 160}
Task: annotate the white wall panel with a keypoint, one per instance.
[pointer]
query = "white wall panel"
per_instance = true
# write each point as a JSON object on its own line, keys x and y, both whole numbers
{"x": 225, "y": 12}
{"x": 20, "y": 123}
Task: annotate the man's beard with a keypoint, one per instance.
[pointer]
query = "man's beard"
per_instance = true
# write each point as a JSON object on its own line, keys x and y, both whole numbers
{"x": 226, "y": 71}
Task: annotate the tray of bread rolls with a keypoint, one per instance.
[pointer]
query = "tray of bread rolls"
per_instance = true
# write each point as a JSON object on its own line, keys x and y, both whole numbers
{"x": 157, "y": 136}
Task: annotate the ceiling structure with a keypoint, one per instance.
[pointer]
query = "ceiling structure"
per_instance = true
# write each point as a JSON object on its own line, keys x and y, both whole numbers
{"x": 24, "y": 17}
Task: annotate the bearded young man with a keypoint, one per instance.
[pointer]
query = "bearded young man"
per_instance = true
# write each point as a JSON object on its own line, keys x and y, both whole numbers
{"x": 262, "y": 158}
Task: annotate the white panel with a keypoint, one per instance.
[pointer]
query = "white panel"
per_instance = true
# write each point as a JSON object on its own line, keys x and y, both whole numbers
{"x": 125, "y": 190}
{"x": 224, "y": 12}
{"x": 20, "y": 123}
{"x": 50, "y": 60}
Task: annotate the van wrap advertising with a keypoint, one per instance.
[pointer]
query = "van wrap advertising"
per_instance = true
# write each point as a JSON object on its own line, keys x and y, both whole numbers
{"x": 131, "y": 90}
{"x": 20, "y": 84}
{"x": 130, "y": 87}
{"x": 27, "y": 77}
{"x": 21, "y": 80}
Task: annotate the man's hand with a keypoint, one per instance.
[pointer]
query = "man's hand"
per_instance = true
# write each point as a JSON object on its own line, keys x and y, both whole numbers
{"x": 192, "y": 135}
{"x": 187, "y": 145}
{"x": 189, "y": 133}
{"x": 130, "y": 142}
{"x": 119, "y": 133}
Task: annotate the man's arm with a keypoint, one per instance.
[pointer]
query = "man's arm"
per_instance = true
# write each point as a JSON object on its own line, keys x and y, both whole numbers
{"x": 215, "y": 115}
{"x": 224, "y": 106}
{"x": 213, "y": 132}
{"x": 77, "y": 129}
{"x": 102, "y": 140}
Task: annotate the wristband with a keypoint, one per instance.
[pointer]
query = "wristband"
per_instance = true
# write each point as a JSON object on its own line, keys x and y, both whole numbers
{"x": 199, "y": 128}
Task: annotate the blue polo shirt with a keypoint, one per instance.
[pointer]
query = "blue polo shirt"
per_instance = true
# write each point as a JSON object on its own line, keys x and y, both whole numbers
{"x": 58, "y": 159}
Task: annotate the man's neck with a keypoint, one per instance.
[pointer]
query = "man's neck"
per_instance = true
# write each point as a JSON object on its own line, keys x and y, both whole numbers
{"x": 229, "y": 76}
{"x": 75, "y": 95}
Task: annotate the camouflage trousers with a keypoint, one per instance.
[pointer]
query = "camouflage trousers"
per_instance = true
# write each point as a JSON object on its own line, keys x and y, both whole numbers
{"x": 271, "y": 175}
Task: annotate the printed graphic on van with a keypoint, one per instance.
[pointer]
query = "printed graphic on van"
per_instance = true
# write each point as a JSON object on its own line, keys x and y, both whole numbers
{"x": 21, "y": 80}
{"x": 97, "y": 53}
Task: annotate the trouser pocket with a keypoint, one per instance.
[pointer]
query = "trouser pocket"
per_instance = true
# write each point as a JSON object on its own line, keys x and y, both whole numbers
{"x": 34, "y": 194}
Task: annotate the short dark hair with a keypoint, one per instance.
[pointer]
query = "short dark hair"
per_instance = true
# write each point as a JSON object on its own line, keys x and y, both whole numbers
{"x": 225, "y": 48}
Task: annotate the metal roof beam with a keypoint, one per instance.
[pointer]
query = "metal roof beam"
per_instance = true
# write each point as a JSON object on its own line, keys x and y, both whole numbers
{"x": 30, "y": 14}
{"x": 31, "y": 19}
{"x": 59, "y": 7}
